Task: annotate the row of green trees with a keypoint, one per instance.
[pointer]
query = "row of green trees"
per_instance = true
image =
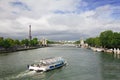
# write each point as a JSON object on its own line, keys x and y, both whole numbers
{"x": 8, "y": 42}
{"x": 77, "y": 42}
{"x": 106, "y": 39}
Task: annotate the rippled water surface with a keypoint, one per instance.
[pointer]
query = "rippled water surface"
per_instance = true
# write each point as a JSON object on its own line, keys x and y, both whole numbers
{"x": 83, "y": 64}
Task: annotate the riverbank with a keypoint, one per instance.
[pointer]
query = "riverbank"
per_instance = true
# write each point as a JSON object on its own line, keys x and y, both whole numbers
{"x": 114, "y": 51}
{"x": 23, "y": 48}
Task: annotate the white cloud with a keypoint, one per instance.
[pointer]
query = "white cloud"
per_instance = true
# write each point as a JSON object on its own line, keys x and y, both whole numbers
{"x": 52, "y": 25}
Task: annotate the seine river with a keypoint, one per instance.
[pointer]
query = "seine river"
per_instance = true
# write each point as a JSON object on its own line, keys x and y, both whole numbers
{"x": 83, "y": 64}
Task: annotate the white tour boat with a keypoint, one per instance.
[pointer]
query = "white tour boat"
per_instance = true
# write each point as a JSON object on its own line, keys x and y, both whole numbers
{"x": 47, "y": 64}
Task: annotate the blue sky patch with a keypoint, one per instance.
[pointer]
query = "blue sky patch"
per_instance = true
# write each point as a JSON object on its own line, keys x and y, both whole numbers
{"x": 92, "y": 4}
{"x": 20, "y": 5}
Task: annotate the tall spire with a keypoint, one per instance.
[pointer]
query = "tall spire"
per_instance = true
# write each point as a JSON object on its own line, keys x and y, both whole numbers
{"x": 30, "y": 37}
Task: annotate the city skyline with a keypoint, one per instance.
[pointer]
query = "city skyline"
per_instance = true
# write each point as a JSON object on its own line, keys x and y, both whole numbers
{"x": 58, "y": 19}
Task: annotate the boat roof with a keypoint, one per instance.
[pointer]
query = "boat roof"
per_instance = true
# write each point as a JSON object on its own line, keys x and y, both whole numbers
{"x": 52, "y": 60}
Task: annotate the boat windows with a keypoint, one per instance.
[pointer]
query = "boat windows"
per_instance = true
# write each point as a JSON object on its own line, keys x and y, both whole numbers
{"x": 51, "y": 66}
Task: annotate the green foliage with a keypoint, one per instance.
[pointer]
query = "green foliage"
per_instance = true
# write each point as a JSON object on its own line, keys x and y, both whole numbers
{"x": 17, "y": 42}
{"x": 107, "y": 39}
{"x": 25, "y": 42}
{"x": 10, "y": 43}
{"x": 97, "y": 42}
{"x": 116, "y": 40}
{"x": 90, "y": 41}
{"x": 77, "y": 42}
{"x": 7, "y": 43}
{"x": 1, "y": 42}
{"x": 33, "y": 42}
{"x": 94, "y": 42}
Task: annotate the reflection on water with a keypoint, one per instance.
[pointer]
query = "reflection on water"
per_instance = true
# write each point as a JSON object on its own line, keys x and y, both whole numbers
{"x": 83, "y": 64}
{"x": 117, "y": 56}
{"x": 110, "y": 67}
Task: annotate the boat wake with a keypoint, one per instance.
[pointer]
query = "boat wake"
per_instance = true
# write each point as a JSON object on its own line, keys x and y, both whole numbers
{"x": 25, "y": 73}
{"x": 21, "y": 75}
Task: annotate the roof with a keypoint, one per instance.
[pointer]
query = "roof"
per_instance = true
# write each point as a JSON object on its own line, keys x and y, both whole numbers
{"x": 52, "y": 60}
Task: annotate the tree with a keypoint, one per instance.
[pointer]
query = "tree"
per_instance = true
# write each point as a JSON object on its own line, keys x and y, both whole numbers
{"x": 90, "y": 41}
{"x": 116, "y": 40}
{"x": 31, "y": 43}
{"x": 17, "y": 42}
{"x": 97, "y": 42}
{"x": 77, "y": 42}
{"x": 34, "y": 42}
{"x": 25, "y": 42}
{"x": 6, "y": 43}
{"x": 1, "y": 42}
{"x": 106, "y": 38}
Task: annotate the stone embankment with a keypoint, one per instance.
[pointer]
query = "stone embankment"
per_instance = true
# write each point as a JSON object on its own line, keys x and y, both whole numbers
{"x": 115, "y": 50}
{"x": 14, "y": 49}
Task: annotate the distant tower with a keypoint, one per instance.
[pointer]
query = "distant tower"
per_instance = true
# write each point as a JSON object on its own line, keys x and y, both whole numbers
{"x": 30, "y": 37}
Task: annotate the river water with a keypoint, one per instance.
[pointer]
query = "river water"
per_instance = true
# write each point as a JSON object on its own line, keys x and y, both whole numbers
{"x": 83, "y": 64}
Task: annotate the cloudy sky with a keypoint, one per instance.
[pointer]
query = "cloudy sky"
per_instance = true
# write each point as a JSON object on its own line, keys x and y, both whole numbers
{"x": 58, "y": 19}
